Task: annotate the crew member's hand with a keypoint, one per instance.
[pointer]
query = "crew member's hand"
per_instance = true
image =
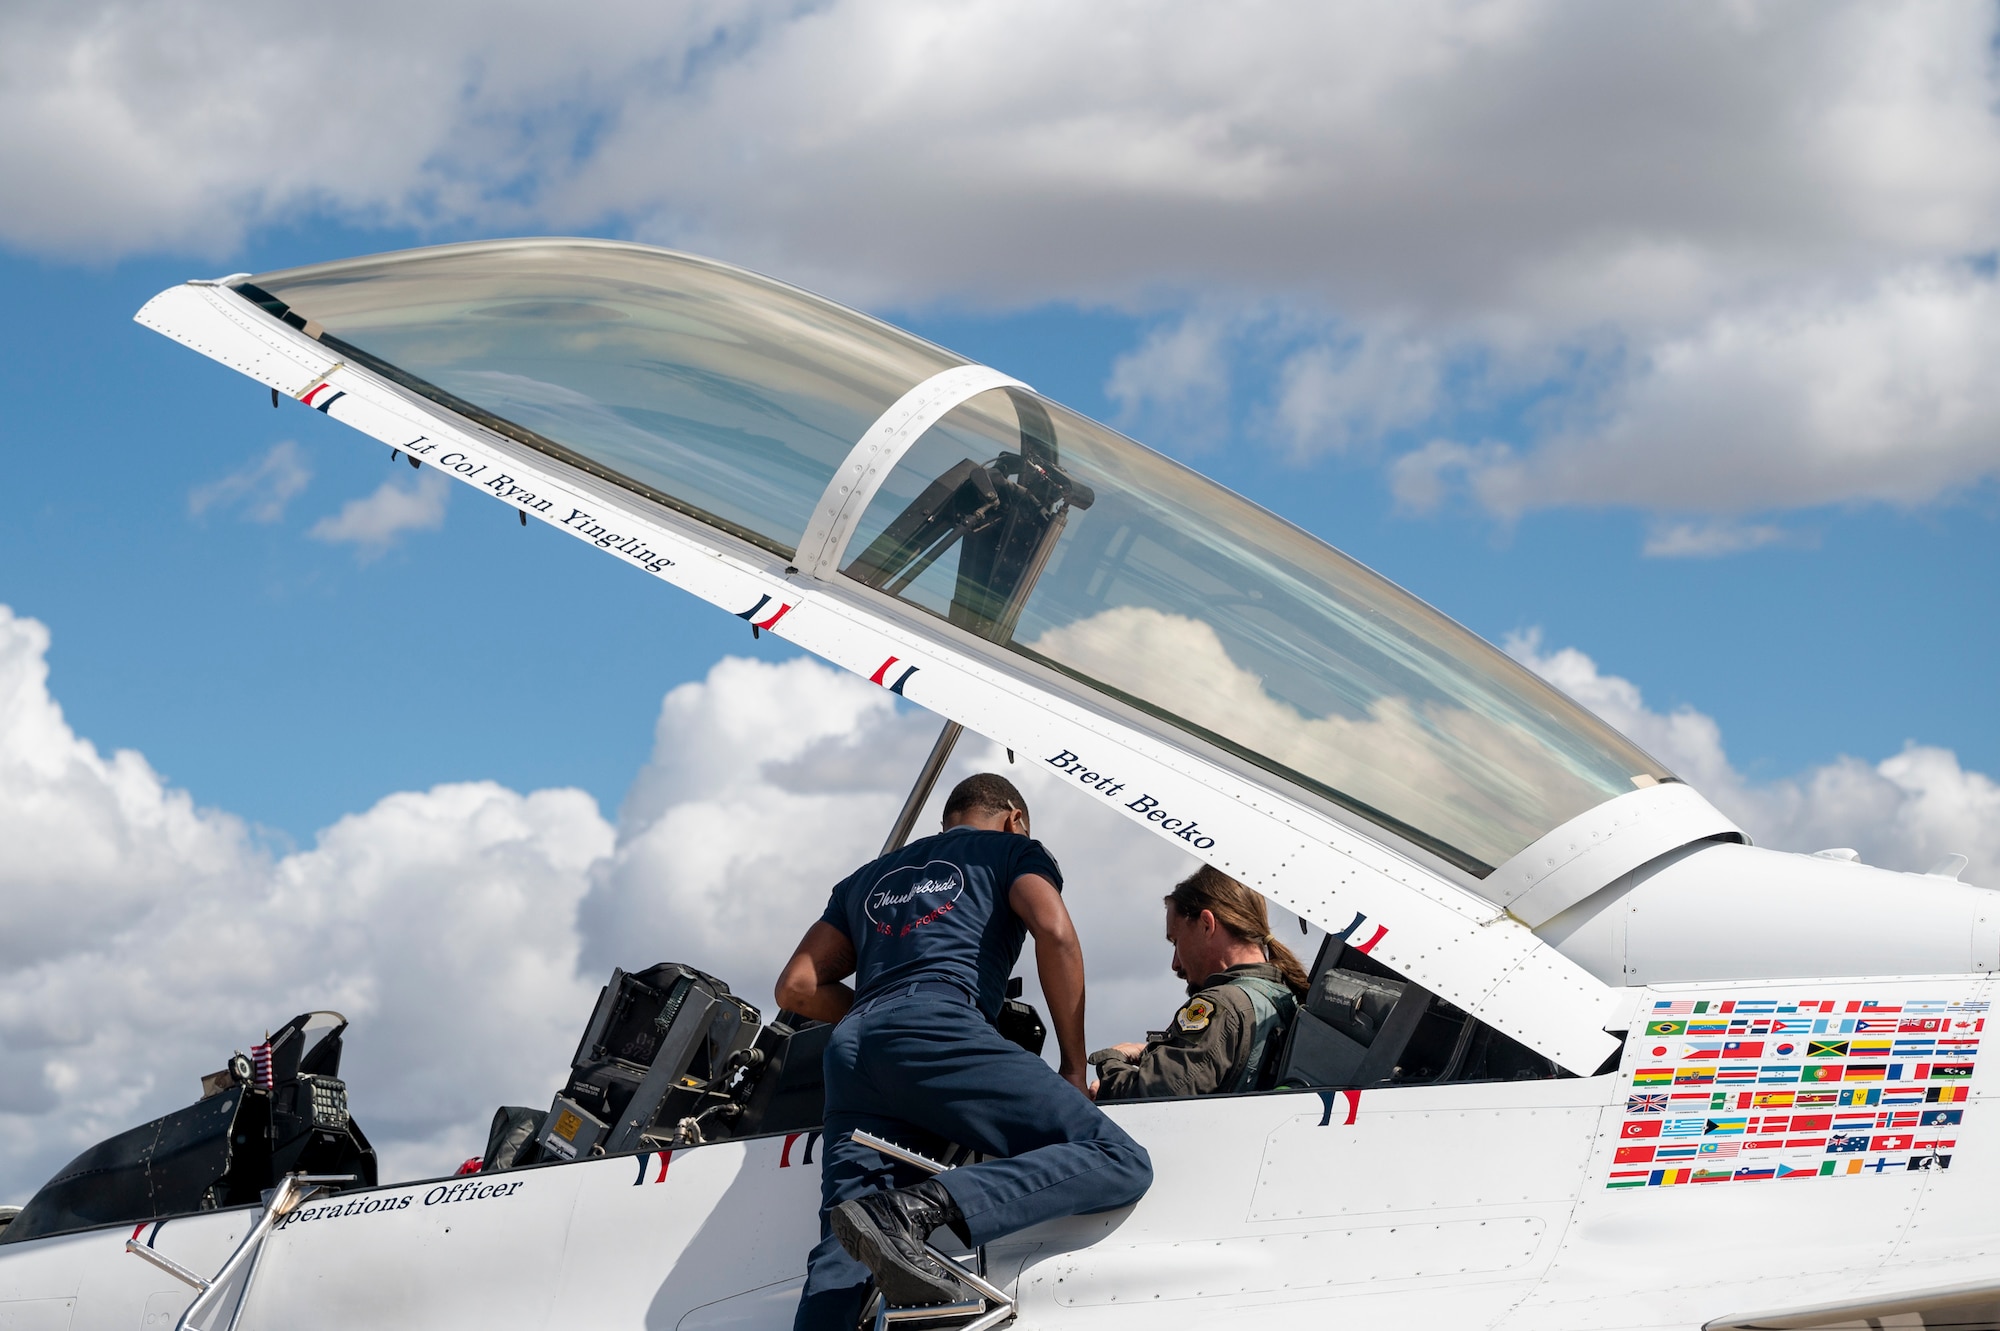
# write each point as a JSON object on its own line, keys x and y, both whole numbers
{"x": 1091, "y": 1090}
{"x": 1128, "y": 1051}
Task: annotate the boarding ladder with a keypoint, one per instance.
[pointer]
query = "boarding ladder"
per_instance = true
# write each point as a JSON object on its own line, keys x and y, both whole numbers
{"x": 218, "y": 1300}
{"x": 993, "y": 1307}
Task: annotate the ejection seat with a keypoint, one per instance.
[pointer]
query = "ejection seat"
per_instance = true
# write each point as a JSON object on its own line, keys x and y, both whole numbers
{"x": 670, "y": 1058}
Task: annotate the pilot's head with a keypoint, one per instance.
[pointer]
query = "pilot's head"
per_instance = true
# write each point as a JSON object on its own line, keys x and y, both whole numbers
{"x": 988, "y": 801}
{"x": 1215, "y": 922}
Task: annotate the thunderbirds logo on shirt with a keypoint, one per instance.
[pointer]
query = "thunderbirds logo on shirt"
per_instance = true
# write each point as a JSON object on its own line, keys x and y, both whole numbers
{"x": 907, "y": 899}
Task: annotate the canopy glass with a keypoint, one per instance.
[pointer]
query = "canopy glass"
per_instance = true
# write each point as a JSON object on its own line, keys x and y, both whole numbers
{"x": 721, "y": 393}
{"x": 734, "y": 399}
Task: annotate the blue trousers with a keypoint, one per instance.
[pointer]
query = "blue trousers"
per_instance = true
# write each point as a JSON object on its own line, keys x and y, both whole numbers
{"x": 925, "y": 1071}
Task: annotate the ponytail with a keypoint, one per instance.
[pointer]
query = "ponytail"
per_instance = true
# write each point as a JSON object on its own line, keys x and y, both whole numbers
{"x": 1290, "y": 969}
{"x": 1242, "y": 912}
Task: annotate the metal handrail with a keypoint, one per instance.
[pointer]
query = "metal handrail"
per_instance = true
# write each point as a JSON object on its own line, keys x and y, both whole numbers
{"x": 913, "y": 804}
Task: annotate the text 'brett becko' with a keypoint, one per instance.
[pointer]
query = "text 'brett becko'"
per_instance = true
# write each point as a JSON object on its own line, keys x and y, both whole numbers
{"x": 1187, "y": 829}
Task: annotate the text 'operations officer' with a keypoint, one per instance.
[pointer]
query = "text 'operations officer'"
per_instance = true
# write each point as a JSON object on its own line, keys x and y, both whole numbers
{"x": 931, "y": 934}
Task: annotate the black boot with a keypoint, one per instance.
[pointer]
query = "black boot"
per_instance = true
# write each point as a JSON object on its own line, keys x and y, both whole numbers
{"x": 885, "y": 1232}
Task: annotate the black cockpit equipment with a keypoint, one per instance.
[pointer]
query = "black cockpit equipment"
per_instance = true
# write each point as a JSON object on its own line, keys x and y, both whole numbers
{"x": 259, "y": 1119}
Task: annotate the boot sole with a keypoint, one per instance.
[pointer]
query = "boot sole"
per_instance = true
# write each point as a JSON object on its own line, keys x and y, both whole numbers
{"x": 902, "y": 1284}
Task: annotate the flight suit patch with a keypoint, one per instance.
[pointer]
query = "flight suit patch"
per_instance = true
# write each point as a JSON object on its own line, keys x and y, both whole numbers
{"x": 1195, "y": 1015}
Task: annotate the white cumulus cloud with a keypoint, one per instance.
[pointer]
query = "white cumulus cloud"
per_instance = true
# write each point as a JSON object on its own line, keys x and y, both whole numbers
{"x": 259, "y": 490}
{"x": 1580, "y": 160}
{"x": 1175, "y": 383}
{"x": 1886, "y": 393}
{"x": 394, "y": 508}
{"x": 1355, "y": 389}
{"x": 146, "y": 938}
{"x": 1907, "y": 811}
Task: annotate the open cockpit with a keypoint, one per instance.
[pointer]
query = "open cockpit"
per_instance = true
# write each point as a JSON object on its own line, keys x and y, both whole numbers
{"x": 672, "y": 1058}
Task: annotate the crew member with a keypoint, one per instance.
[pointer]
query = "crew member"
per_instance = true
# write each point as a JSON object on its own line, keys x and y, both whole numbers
{"x": 931, "y": 934}
{"x": 1244, "y": 987}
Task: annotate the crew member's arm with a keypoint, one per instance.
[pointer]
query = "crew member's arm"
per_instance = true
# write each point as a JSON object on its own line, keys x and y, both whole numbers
{"x": 1059, "y": 962}
{"x": 810, "y": 984}
{"x": 1201, "y": 1052}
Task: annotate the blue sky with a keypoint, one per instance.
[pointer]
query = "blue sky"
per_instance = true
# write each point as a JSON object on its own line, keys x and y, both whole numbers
{"x": 1667, "y": 334}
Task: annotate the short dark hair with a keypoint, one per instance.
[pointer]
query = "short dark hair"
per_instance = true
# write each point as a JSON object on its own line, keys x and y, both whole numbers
{"x": 984, "y": 792}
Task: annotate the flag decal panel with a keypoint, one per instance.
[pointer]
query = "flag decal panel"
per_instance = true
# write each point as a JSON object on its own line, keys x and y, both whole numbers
{"x": 1819, "y": 1086}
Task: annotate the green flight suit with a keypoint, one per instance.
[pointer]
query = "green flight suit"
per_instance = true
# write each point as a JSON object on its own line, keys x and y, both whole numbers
{"x": 1219, "y": 1041}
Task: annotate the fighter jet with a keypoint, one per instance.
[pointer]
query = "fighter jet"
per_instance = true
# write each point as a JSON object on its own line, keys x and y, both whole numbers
{"x": 1576, "y": 1054}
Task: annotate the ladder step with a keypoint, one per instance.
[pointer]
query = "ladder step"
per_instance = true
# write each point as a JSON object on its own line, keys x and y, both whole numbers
{"x": 927, "y": 1311}
{"x": 986, "y": 1313}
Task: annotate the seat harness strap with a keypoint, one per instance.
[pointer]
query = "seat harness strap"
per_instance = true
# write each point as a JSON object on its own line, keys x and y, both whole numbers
{"x": 1274, "y": 1005}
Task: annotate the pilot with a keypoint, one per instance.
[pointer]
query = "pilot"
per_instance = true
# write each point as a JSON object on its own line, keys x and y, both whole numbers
{"x": 1244, "y": 987}
{"x": 931, "y": 934}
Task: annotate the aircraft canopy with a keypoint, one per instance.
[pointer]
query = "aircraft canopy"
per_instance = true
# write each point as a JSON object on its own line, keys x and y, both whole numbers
{"x": 735, "y": 400}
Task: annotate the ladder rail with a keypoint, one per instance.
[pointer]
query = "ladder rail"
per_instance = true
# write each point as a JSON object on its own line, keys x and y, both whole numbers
{"x": 895, "y": 1152}
{"x": 167, "y": 1264}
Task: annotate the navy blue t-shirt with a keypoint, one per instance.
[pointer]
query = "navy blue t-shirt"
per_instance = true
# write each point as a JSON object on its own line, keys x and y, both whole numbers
{"x": 937, "y": 910}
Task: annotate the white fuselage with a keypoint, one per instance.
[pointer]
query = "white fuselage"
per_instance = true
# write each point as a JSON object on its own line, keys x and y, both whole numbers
{"x": 1714, "y": 910}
